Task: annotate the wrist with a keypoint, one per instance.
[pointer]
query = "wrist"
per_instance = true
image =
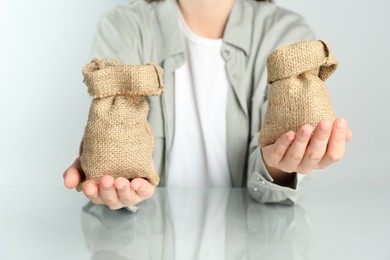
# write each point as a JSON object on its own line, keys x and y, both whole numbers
{"x": 281, "y": 178}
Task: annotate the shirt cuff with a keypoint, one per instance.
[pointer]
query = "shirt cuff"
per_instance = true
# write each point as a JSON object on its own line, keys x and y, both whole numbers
{"x": 132, "y": 209}
{"x": 262, "y": 188}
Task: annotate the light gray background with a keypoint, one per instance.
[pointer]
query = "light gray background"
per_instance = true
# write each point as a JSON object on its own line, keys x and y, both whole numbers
{"x": 44, "y": 104}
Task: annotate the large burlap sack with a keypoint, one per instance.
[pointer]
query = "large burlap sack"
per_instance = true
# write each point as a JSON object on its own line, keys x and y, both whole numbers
{"x": 118, "y": 139}
{"x": 297, "y": 95}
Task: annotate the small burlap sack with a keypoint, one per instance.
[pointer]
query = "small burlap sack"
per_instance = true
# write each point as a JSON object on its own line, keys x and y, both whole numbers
{"x": 298, "y": 94}
{"x": 118, "y": 139}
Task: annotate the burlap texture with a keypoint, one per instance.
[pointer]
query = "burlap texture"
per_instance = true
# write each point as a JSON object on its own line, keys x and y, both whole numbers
{"x": 118, "y": 139}
{"x": 297, "y": 95}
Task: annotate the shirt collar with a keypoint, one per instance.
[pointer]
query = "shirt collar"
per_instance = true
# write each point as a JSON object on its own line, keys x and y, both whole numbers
{"x": 237, "y": 32}
{"x": 168, "y": 33}
{"x": 239, "y": 25}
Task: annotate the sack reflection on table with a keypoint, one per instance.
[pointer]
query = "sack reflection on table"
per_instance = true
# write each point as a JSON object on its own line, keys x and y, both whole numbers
{"x": 188, "y": 224}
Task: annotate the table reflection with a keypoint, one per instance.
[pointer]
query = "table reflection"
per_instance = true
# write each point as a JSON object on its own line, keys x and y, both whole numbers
{"x": 199, "y": 224}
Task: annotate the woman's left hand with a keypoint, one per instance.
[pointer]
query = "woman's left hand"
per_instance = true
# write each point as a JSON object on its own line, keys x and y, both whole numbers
{"x": 306, "y": 150}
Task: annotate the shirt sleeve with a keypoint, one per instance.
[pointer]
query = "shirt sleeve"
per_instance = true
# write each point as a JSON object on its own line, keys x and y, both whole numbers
{"x": 262, "y": 188}
{"x": 289, "y": 28}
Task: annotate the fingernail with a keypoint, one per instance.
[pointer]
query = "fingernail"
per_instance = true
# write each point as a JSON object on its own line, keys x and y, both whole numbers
{"x": 290, "y": 137}
{"x": 305, "y": 132}
{"x": 340, "y": 124}
{"x": 325, "y": 126}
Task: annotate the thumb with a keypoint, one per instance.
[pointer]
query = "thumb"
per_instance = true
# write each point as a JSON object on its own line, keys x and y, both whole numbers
{"x": 73, "y": 175}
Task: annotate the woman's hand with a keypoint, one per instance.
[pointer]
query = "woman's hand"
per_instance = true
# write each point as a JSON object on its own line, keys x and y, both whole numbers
{"x": 306, "y": 150}
{"x": 115, "y": 193}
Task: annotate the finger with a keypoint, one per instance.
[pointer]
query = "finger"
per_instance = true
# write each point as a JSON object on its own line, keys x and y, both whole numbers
{"x": 127, "y": 196}
{"x": 142, "y": 187}
{"x": 91, "y": 191}
{"x": 273, "y": 154}
{"x": 317, "y": 147}
{"x": 71, "y": 178}
{"x": 336, "y": 144}
{"x": 108, "y": 194}
{"x": 295, "y": 153}
{"x": 73, "y": 175}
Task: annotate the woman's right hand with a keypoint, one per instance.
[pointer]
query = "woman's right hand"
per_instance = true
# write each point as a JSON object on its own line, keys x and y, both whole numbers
{"x": 115, "y": 193}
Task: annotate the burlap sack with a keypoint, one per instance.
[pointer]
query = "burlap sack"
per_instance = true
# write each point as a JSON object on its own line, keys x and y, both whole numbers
{"x": 298, "y": 94}
{"x": 118, "y": 139}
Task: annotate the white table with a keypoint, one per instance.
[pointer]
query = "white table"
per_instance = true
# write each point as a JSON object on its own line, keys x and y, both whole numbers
{"x": 55, "y": 223}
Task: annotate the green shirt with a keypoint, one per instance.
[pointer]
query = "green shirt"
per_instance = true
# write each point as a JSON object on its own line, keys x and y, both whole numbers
{"x": 141, "y": 32}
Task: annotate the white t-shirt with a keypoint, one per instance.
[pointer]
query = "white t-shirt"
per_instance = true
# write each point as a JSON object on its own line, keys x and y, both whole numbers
{"x": 199, "y": 155}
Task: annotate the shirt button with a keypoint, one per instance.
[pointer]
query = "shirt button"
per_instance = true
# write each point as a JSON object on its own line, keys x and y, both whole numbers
{"x": 226, "y": 54}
